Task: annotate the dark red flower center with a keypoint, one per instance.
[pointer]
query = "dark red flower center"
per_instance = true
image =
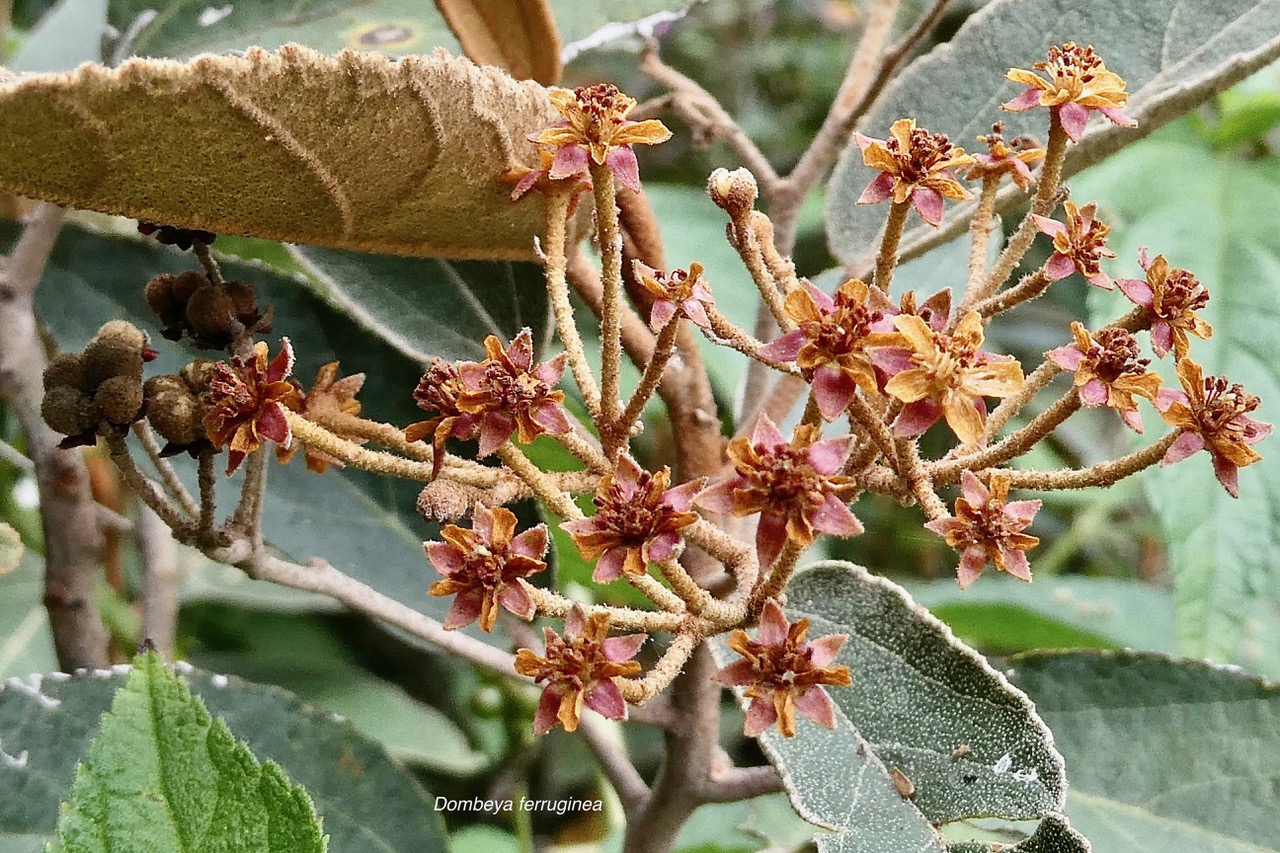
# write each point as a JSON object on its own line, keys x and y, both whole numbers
{"x": 1182, "y": 292}
{"x": 1223, "y": 404}
{"x": 924, "y": 152}
{"x": 1114, "y": 354}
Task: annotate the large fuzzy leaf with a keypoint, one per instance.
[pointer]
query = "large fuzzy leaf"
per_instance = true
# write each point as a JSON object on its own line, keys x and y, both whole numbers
{"x": 1173, "y": 55}
{"x": 356, "y": 151}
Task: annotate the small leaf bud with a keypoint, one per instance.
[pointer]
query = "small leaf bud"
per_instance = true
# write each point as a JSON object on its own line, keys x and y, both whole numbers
{"x": 734, "y": 192}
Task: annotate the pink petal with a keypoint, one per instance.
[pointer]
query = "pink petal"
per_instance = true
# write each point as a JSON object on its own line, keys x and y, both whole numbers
{"x": 771, "y": 533}
{"x": 1137, "y": 289}
{"x": 1254, "y": 431}
{"x": 833, "y": 389}
{"x": 766, "y": 434}
{"x": 785, "y": 348}
{"x": 877, "y": 190}
{"x": 661, "y": 314}
{"x": 974, "y": 491}
{"x": 515, "y": 598}
{"x": 943, "y": 526}
{"x": 482, "y": 522}
{"x": 928, "y": 203}
{"x": 823, "y": 650}
{"x": 814, "y": 703}
{"x": 1015, "y": 563}
{"x": 863, "y": 142}
{"x": 532, "y": 543}
{"x": 551, "y": 371}
{"x": 1117, "y": 117}
{"x": 719, "y": 498}
{"x": 760, "y": 715}
{"x": 1161, "y": 338}
{"x": 273, "y": 424}
{"x": 525, "y": 184}
{"x": 444, "y": 558}
{"x": 605, "y": 699}
{"x": 681, "y": 497}
{"x": 916, "y": 417}
{"x": 1133, "y": 419}
{"x": 1024, "y": 178}
{"x": 548, "y": 709}
{"x": 773, "y": 624}
{"x": 581, "y": 526}
{"x": 739, "y": 673}
{"x": 972, "y": 562}
{"x": 1059, "y": 266}
{"x": 551, "y": 417}
{"x": 892, "y": 360}
{"x": 827, "y": 457}
{"x": 1074, "y": 118}
{"x": 1052, "y": 227}
{"x": 618, "y": 649}
{"x": 1093, "y": 392}
{"x": 570, "y": 160}
{"x": 234, "y": 458}
{"x": 466, "y": 607}
{"x": 1068, "y": 357}
{"x": 835, "y": 517}
{"x": 936, "y": 310}
{"x": 663, "y": 546}
{"x": 1166, "y": 397}
{"x": 1101, "y": 280}
{"x": 1228, "y": 475}
{"x": 1022, "y": 511}
{"x": 609, "y": 566}
{"x": 1187, "y": 444}
{"x": 495, "y": 428}
{"x": 575, "y": 621}
{"x": 825, "y": 303}
{"x": 1030, "y": 99}
{"x": 622, "y": 162}
{"x": 696, "y": 313}
{"x": 280, "y": 366}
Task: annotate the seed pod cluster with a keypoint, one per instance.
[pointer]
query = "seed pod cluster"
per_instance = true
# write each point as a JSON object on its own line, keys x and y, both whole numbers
{"x": 210, "y": 315}
{"x": 100, "y": 388}
{"x": 174, "y": 409}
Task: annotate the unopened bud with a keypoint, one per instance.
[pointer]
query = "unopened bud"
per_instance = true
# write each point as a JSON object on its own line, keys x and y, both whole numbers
{"x": 734, "y": 192}
{"x": 198, "y": 373}
{"x": 173, "y": 410}
{"x": 118, "y": 400}
{"x": 445, "y": 500}
{"x": 244, "y": 302}
{"x": 167, "y": 296}
{"x": 67, "y": 410}
{"x": 112, "y": 355}
{"x": 65, "y": 370}
{"x": 210, "y": 314}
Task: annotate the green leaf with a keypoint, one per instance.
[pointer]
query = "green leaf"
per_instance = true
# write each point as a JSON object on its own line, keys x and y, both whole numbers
{"x": 430, "y": 308}
{"x": 1222, "y": 551}
{"x": 1173, "y": 55}
{"x": 1164, "y": 754}
{"x": 367, "y": 526}
{"x": 26, "y": 641}
{"x": 184, "y": 28}
{"x": 162, "y": 774}
{"x": 365, "y": 800}
{"x": 1054, "y": 612}
{"x": 70, "y": 33}
{"x": 918, "y": 696}
{"x": 1054, "y": 835}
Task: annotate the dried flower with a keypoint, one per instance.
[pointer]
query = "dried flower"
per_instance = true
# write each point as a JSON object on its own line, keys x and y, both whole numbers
{"x": 637, "y": 520}
{"x": 1174, "y": 296}
{"x": 947, "y": 376}
{"x": 1077, "y": 245}
{"x": 784, "y": 674}
{"x": 1212, "y": 416}
{"x": 438, "y": 391}
{"x": 677, "y": 292}
{"x": 483, "y": 567}
{"x": 523, "y": 179}
{"x": 1108, "y": 371}
{"x": 914, "y": 164}
{"x": 246, "y": 400}
{"x": 329, "y": 396}
{"x": 833, "y": 342}
{"x": 1078, "y": 82}
{"x": 579, "y": 669}
{"x": 795, "y": 486}
{"x": 1006, "y": 158}
{"x": 595, "y": 125}
{"x": 987, "y": 528}
{"x": 507, "y": 392}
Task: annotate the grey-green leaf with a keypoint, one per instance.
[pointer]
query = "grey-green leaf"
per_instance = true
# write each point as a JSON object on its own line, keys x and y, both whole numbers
{"x": 1222, "y": 551}
{"x": 1173, "y": 55}
{"x": 162, "y": 774}
{"x": 1164, "y": 754}
{"x": 70, "y": 33}
{"x": 922, "y": 703}
{"x": 1054, "y": 835}
{"x": 604, "y": 23}
{"x": 367, "y": 802}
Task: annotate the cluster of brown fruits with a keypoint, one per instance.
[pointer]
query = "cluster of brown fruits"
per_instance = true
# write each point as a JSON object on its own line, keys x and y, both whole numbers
{"x": 98, "y": 389}
{"x": 211, "y": 314}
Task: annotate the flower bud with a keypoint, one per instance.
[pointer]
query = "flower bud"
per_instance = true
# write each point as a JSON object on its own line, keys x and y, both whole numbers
{"x": 211, "y": 311}
{"x": 244, "y": 302}
{"x": 67, "y": 410}
{"x": 112, "y": 355}
{"x": 198, "y": 373}
{"x": 445, "y": 500}
{"x": 118, "y": 400}
{"x": 173, "y": 410}
{"x": 734, "y": 192}
{"x": 65, "y": 370}
{"x": 167, "y": 296}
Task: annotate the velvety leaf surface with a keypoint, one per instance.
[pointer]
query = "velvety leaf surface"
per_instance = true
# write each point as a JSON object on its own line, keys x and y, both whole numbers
{"x": 163, "y": 774}
{"x": 1164, "y": 754}
{"x": 356, "y": 151}
{"x": 366, "y": 801}
{"x": 366, "y": 526}
{"x": 184, "y": 28}
{"x": 1054, "y": 835}
{"x": 918, "y": 695}
{"x": 1172, "y": 54}
{"x": 1206, "y": 219}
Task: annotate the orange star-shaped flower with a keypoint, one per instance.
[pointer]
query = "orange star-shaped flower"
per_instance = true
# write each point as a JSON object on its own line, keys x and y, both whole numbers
{"x": 1108, "y": 371}
{"x": 1173, "y": 296}
{"x": 914, "y": 164}
{"x": 595, "y": 126}
{"x": 246, "y": 401}
{"x": 1078, "y": 82}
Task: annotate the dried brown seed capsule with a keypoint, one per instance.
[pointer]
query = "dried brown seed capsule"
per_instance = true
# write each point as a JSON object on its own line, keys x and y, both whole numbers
{"x": 173, "y": 410}
{"x": 245, "y": 302}
{"x": 66, "y": 410}
{"x": 105, "y": 358}
{"x": 210, "y": 314}
{"x": 118, "y": 400}
{"x": 66, "y": 369}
